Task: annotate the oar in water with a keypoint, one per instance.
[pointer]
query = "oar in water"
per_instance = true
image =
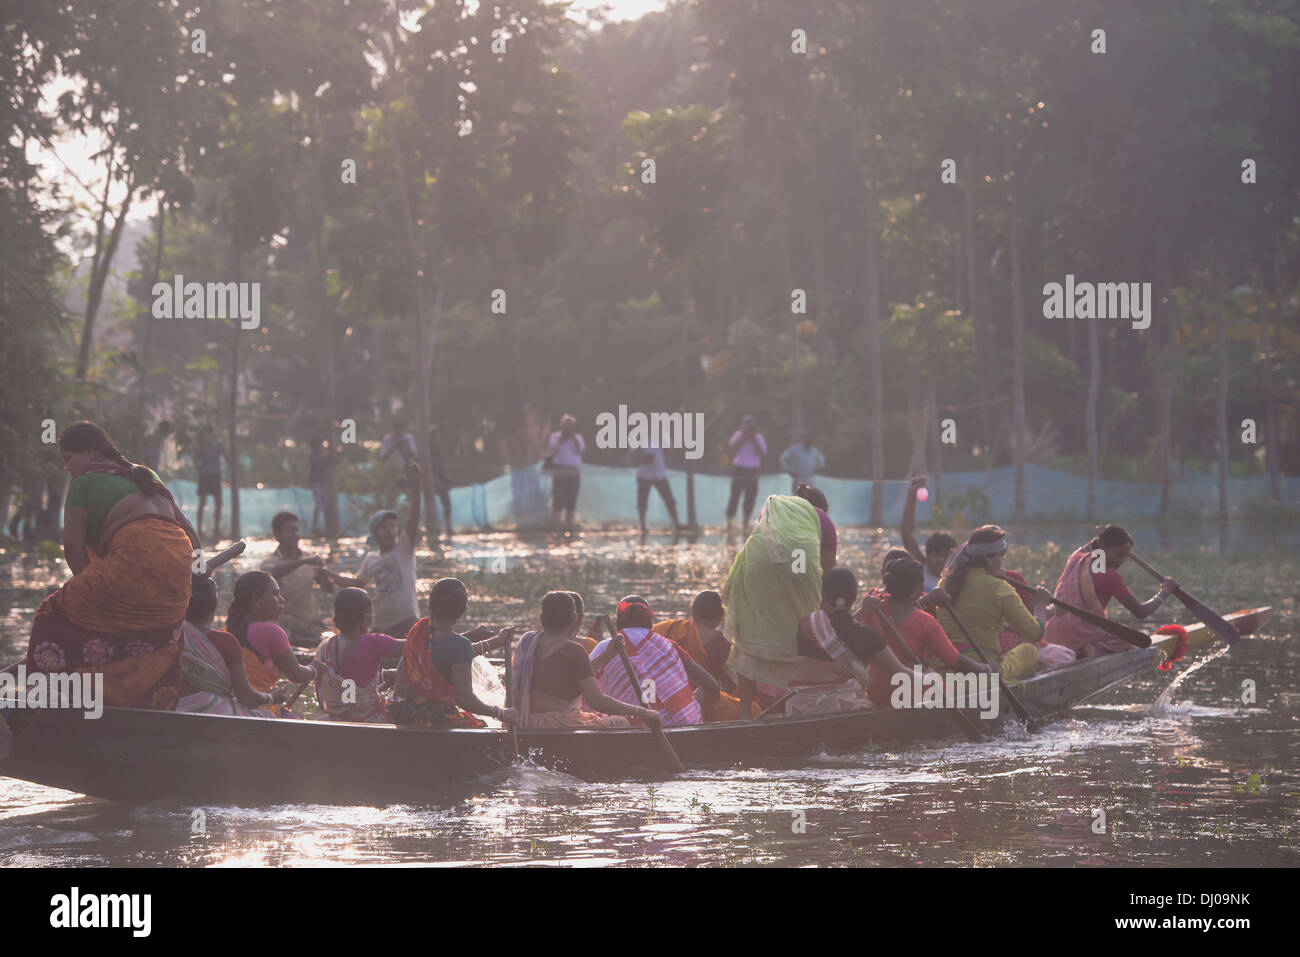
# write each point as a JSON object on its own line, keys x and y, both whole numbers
{"x": 670, "y": 757}
{"x": 1138, "y": 639}
{"x": 1021, "y": 711}
{"x": 969, "y": 726}
{"x": 1215, "y": 622}
{"x": 509, "y": 673}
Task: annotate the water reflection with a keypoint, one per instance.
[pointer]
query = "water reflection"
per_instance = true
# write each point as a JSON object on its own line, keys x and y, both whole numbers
{"x": 1191, "y": 776}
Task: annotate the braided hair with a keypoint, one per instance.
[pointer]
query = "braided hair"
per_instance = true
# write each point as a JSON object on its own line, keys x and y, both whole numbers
{"x": 87, "y": 437}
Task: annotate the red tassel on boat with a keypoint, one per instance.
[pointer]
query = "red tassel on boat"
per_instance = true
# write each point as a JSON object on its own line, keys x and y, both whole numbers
{"x": 1180, "y": 647}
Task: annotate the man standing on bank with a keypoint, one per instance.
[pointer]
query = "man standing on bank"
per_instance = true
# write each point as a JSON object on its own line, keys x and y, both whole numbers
{"x": 747, "y": 447}
{"x": 803, "y": 461}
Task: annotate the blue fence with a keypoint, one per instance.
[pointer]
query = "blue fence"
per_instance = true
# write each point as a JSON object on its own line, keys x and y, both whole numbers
{"x": 522, "y": 498}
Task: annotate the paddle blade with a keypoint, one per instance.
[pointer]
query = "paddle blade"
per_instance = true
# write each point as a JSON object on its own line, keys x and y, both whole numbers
{"x": 1216, "y": 623}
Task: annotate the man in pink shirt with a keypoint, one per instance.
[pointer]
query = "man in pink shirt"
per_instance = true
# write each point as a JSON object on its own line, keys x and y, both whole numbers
{"x": 747, "y": 450}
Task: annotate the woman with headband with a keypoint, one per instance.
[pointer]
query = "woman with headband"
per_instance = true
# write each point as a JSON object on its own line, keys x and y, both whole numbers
{"x": 984, "y": 602}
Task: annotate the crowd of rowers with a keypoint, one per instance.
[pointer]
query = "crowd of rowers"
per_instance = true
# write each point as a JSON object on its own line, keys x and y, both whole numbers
{"x": 786, "y": 633}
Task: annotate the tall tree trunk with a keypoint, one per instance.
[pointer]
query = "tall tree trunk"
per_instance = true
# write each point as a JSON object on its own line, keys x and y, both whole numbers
{"x": 975, "y": 296}
{"x": 687, "y": 376}
{"x": 875, "y": 364}
{"x": 232, "y": 427}
{"x": 326, "y": 309}
{"x": 100, "y": 265}
{"x": 1090, "y": 412}
{"x": 1018, "y": 360}
{"x": 1271, "y": 444}
{"x": 1166, "y": 367}
{"x": 794, "y": 319}
{"x": 936, "y": 446}
{"x": 1221, "y": 403}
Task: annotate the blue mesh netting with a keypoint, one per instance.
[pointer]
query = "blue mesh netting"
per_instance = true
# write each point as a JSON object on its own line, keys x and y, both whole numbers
{"x": 609, "y": 495}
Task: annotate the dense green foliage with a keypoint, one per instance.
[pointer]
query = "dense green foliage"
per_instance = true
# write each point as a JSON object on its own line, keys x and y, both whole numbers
{"x": 520, "y": 168}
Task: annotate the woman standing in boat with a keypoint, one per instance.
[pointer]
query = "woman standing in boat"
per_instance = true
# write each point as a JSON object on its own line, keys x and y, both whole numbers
{"x": 1082, "y": 584}
{"x": 268, "y": 656}
{"x": 552, "y": 674}
{"x": 983, "y": 602}
{"x": 130, "y": 549}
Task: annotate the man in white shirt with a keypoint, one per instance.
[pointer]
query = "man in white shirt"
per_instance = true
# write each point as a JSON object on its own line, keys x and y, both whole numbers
{"x": 565, "y": 465}
{"x": 651, "y": 473}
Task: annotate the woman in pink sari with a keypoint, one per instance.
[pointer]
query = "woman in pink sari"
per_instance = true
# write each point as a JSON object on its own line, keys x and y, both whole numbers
{"x": 1090, "y": 580}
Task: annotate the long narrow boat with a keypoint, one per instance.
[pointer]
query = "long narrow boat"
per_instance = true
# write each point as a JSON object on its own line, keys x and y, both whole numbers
{"x": 211, "y": 759}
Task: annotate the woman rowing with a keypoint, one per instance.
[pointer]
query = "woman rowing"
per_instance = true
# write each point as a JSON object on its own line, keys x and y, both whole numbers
{"x": 701, "y": 639}
{"x": 774, "y": 583}
{"x": 552, "y": 675}
{"x": 130, "y": 549}
{"x": 1090, "y": 580}
{"x": 921, "y": 632}
{"x": 655, "y": 670}
{"x": 251, "y": 618}
{"x": 435, "y": 683}
{"x": 982, "y": 602}
{"x": 213, "y": 680}
{"x": 836, "y": 652}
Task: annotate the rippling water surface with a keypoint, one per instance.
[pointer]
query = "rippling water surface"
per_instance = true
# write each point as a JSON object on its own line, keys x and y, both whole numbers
{"x": 1179, "y": 772}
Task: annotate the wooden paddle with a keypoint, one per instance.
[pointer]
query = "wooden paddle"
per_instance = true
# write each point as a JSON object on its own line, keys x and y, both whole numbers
{"x": 774, "y": 705}
{"x": 1021, "y": 711}
{"x": 971, "y": 728}
{"x": 509, "y": 673}
{"x": 670, "y": 757}
{"x": 1137, "y": 639}
{"x": 223, "y": 556}
{"x": 1215, "y": 622}
{"x": 294, "y": 697}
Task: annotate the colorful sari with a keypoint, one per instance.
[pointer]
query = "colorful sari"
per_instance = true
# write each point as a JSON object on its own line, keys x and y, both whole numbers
{"x": 656, "y": 659}
{"x": 1076, "y": 588}
{"x": 1050, "y": 656}
{"x": 203, "y": 669}
{"x": 122, "y": 616}
{"x": 825, "y": 687}
{"x": 262, "y": 676}
{"x": 368, "y": 706}
{"x": 433, "y": 704}
{"x": 684, "y": 633}
{"x": 775, "y": 581}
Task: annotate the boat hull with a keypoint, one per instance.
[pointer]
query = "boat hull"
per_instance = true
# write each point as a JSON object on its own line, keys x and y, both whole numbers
{"x": 213, "y": 759}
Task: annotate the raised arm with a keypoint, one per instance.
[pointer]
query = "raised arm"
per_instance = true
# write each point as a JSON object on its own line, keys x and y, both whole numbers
{"x": 417, "y": 488}
{"x": 908, "y": 527}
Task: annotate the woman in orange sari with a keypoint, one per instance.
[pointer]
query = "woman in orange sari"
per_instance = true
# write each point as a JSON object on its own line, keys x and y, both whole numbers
{"x": 701, "y": 637}
{"x": 130, "y": 549}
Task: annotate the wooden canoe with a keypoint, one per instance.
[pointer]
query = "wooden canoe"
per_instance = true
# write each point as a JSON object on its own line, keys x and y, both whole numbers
{"x": 211, "y": 759}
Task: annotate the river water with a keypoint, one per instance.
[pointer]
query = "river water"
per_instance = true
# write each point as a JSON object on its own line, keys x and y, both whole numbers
{"x": 1161, "y": 772}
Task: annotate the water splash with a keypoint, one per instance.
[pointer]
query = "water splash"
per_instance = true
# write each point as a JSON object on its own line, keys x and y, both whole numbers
{"x": 1163, "y": 704}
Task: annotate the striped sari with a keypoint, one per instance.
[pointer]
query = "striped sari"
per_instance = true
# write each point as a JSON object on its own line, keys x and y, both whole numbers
{"x": 656, "y": 659}
{"x": 203, "y": 668}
